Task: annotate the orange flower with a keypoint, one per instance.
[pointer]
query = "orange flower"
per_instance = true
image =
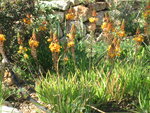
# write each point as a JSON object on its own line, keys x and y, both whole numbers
{"x": 66, "y": 59}
{"x": 139, "y": 38}
{"x": 70, "y": 44}
{"x": 111, "y": 51}
{"x": 104, "y": 25}
{"x": 71, "y": 36}
{"x": 146, "y": 13}
{"x": 27, "y": 21}
{"x": 33, "y": 43}
{"x": 2, "y": 38}
{"x": 121, "y": 34}
{"x": 50, "y": 39}
{"x": 42, "y": 28}
{"x": 70, "y": 16}
{"x": 26, "y": 56}
{"x": 114, "y": 48}
{"x": 54, "y": 47}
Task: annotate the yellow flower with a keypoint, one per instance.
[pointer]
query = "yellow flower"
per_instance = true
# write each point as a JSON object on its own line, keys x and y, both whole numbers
{"x": 26, "y": 56}
{"x": 66, "y": 59}
{"x": 93, "y": 19}
{"x": 139, "y": 38}
{"x": 2, "y": 37}
{"x": 71, "y": 44}
{"x": 121, "y": 34}
{"x": 114, "y": 48}
{"x": 19, "y": 52}
{"x": 33, "y": 43}
{"x": 21, "y": 47}
{"x": 71, "y": 36}
{"x": 146, "y": 13}
{"x": 104, "y": 25}
{"x": 70, "y": 16}
{"x": 42, "y": 28}
{"x": 25, "y": 49}
{"x": 111, "y": 52}
{"x": 54, "y": 47}
{"x": 50, "y": 39}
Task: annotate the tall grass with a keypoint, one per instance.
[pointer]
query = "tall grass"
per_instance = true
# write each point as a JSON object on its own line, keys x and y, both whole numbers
{"x": 109, "y": 81}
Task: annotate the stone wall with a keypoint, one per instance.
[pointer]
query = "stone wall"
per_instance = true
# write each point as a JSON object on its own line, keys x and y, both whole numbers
{"x": 82, "y": 12}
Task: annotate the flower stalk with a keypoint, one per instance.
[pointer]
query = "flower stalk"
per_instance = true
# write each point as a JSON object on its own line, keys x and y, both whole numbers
{"x": 55, "y": 49}
{"x": 33, "y": 43}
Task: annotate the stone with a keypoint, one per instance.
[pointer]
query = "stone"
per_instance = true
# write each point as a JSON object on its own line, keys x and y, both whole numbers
{"x": 100, "y": 16}
{"x": 7, "y": 103}
{"x": 6, "y": 109}
{"x": 114, "y": 13}
{"x": 99, "y": 6}
{"x": 81, "y": 12}
{"x": 56, "y": 4}
{"x": 60, "y": 15}
{"x": 79, "y": 25}
{"x": 74, "y": 2}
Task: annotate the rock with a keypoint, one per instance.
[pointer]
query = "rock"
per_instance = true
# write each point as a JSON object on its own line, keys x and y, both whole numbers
{"x": 98, "y": 6}
{"x": 81, "y": 12}
{"x": 74, "y": 2}
{"x": 100, "y": 16}
{"x": 80, "y": 27}
{"x": 113, "y": 14}
{"x": 100, "y": 0}
{"x": 60, "y": 15}
{"x": 6, "y": 103}
{"x": 6, "y": 109}
{"x": 56, "y": 4}
{"x": 7, "y": 79}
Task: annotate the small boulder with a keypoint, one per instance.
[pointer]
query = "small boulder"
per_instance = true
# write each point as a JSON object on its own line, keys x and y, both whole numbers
{"x": 81, "y": 12}
{"x": 56, "y": 4}
{"x": 74, "y": 2}
{"x": 80, "y": 27}
{"x": 60, "y": 15}
{"x": 6, "y": 109}
{"x": 99, "y": 6}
